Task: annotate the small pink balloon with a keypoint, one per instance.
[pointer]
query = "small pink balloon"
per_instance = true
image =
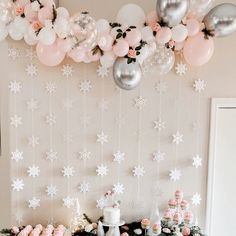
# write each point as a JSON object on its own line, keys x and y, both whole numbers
{"x": 133, "y": 37}
{"x": 22, "y": 3}
{"x": 198, "y": 50}
{"x": 50, "y": 55}
{"x": 94, "y": 57}
{"x": 121, "y": 48}
{"x": 151, "y": 17}
{"x": 164, "y": 35}
{"x": 64, "y": 45}
{"x": 30, "y": 15}
{"x": 193, "y": 27}
{"x": 44, "y": 14}
{"x": 179, "y": 46}
{"x": 48, "y": 3}
{"x": 105, "y": 42}
{"x": 77, "y": 54}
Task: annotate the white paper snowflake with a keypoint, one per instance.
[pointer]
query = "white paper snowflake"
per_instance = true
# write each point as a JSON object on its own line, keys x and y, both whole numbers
{"x": 85, "y": 120}
{"x": 68, "y": 202}
{"x": 102, "y": 138}
{"x": 138, "y": 171}
{"x": 84, "y": 155}
{"x": 16, "y": 121}
{"x": 33, "y": 141}
{"x": 18, "y": 217}
{"x": 181, "y": 68}
{"x": 120, "y": 120}
{"x": 158, "y": 156}
{"x": 13, "y": 53}
{"x": 17, "y": 155}
{"x": 15, "y": 87}
{"x": 84, "y": 187}
{"x": 32, "y": 105}
{"x": 103, "y": 105}
{"x": 159, "y": 125}
{"x": 196, "y": 199}
{"x": 33, "y": 171}
{"x": 17, "y": 185}
{"x": 68, "y": 104}
{"x": 177, "y": 138}
{"x": 30, "y": 54}
{"x": 161, "y": 86}
{"x": 51, "y": 190}
{"x": 50, "y": 87}
{"x": 102, "y": 170}
{"x": 118, "y": 188}
{"x": 31, "y": 70}
{"x": 34, "y": 203}
{"x": 67, "y": 71}
{"x": 119, "y": 157}
{"x": 68, "y": 171}
{"x": 101, "y": 203}
{"x": 199, "y": 85}
{"x": 175, "y": 174}
{"x": 140, "y": 102}
{"x": 195, "y": 125}
{"x": 102, "y": 71}
{"x": 50, "y": 119}
{"x": 68, "y": 138}
{"x": 197, "y": 161}
{"x": 51, "y": 155}
{"x": 85, "y": 86}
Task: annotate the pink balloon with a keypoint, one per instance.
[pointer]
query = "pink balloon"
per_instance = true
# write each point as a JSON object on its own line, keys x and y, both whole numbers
{"x": 77, "y": 54}
{"x": 64, "y": 45}
{"x": 133, "y": 37}
{"x": 22, "y": 3}
{"x": 45, "y": 13}
{"x": 105, "y": 42}
{"x": 30, "y": 15}
{"x": 151, "y": 17}
{"x": 50, "y": 55}
{"x": 48, "y": 3}
{"x": 94, "y": 57}
{"x": 198, "y": 50}
{"x": 193, "y": 27}
{"x": 164, "y": 35}
{"x": 121, "y": 48}
{"x": 179, "y": 46}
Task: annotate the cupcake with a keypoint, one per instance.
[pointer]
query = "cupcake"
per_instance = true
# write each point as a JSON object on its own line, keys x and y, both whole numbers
{"x": 184, "y": 205}
{"x": 172, "y": 203}
{"x": 145, "y": 223}
{"x": 167, "y": 215}
{"x": 177, "y": 218}
{"x": 178, "y": 195}
{"x": 156, "y": 228}
{"x": 188, "y": 217}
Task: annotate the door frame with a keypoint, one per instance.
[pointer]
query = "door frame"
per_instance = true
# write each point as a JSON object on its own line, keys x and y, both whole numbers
{"x": 216, "y": 104}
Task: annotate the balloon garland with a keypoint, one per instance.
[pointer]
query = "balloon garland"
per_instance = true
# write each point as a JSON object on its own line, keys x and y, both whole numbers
{"x": 179, "y": 26}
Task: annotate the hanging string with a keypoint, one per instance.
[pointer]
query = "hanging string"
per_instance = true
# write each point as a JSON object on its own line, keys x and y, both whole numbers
{"x": 119, "y": 131}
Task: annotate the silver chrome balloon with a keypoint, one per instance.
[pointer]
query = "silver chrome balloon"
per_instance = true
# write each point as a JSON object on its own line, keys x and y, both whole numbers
{"x": 172, "y": 12}
{"x": 221, "y": 20}
{"x": 127, "y": 76}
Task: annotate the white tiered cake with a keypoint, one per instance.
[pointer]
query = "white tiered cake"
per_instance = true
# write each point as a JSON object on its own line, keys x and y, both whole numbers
{"x": 111, "y": 215}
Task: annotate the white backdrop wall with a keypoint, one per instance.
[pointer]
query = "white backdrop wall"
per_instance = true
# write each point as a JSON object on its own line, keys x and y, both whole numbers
{"x": 219, "y": 75}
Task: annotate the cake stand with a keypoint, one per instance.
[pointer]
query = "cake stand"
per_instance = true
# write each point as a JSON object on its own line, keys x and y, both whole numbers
{"x": 113, "y": 228}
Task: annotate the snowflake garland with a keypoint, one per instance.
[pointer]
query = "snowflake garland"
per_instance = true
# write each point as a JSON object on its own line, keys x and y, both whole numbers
{"x": 103, "y": 105}
{"x": 158, "y": 156}
{"x": 68, "y": 104}
{"x": 13, "y": 53}
{"x": 33, "y": 141}
{"x": 101, "y": 203}
{"x": 16, "y": 121}
{"x": 102, "y": 138}
{"x": 199, "y": 85}
{"x": 175, "y": 175}
{"x": 32, "y": 105}
{"x": 161, "y": 86}
{"x": 31, "y": 70}
{"x": 50, "y": 119}
{"x": 85, "y": 86}
{"x": 181, "y": 68}
{"x": 84, "y": 187}
{"x": 17, "y": 155}
{"x": 118, "y": 188}
{"x": 159, "y": 125}
{"x": 138, "y": 171}
{"x": 50, "y": 87}
{"x": 68, "y": 202}
{"x": 33, "y": 171}
{"x": 68, "y": 171}
{"x": 177, "y": 138}
{"x": 15, "y": 87}
{"x": 102, "y": 71}
{"x": 196, "y": 199}
{"x": 140, "y": 102}
{"x": 119, "y": 157}
{"x": 17, "y": 185}
{"x": 51, "y": 155}
{"x": 84, "y": 155}
{"x": 51, "y": 190}
{"x": 197, "y": 161}
{"x": 67, "y": 71}
{"x": 34, "y": 203}
{"x": 102, "y": 170}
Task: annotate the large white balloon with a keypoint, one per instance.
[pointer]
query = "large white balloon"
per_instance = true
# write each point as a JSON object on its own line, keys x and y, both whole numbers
{"x": 3, "y": 32}
{"x": 47, "y": 36}
{"x": 63, "y": 12}
{"x": 108, "y": 59}
{"x": 147, "y": 34}
{"x": 30, "y": 37}
{"x": 14, "y": 33}
{"x": 103, "y": 27}
{"x": 179, "y": 33}
{"x": 62, "y": 27}
{"x": 21, "y": 24}
{"x": 131, "y": 15}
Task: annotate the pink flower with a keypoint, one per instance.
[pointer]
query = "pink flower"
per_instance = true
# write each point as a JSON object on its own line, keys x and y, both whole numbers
{"x": 37, "y": 25}
{"x": 132, "y": 53}
{"x": 19, "y": 11}
{"x": 186, "y": 231}
{"x": 155, "y": 26}
{"x": 171, "y": 43}
{"x": 15, "y": 230}
{"x": 166, "y": 230}
{"x": 124, "y": 234}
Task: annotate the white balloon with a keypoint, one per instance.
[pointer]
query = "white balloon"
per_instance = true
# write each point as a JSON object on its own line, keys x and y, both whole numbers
{"x": 3, "y": 32}
{"x": 30, "y": 37}
{"x": 131, "y": 15}
{"x": 21, "y": 24}
{"x": 62, "y": 27}
{"x": 108, "y": 59}
{"x": 179, "y": 33}
{"x": 14, "y": 33}
{"x": 63, "y": 12}
{"x": 103, "y": 26}
{"x": 35, "y": 6}
{"x": 144, "y": 53}
{"x": 147, "y": 34}
{"x": 47, "y": 36}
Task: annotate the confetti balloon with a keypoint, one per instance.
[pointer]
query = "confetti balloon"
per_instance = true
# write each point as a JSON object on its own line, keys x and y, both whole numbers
{"x": 127, "y": 76}
{"x": 84, "y": 29}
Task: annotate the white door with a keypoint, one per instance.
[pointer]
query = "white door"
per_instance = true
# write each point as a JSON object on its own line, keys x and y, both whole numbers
{"x": 221, "y": 213}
